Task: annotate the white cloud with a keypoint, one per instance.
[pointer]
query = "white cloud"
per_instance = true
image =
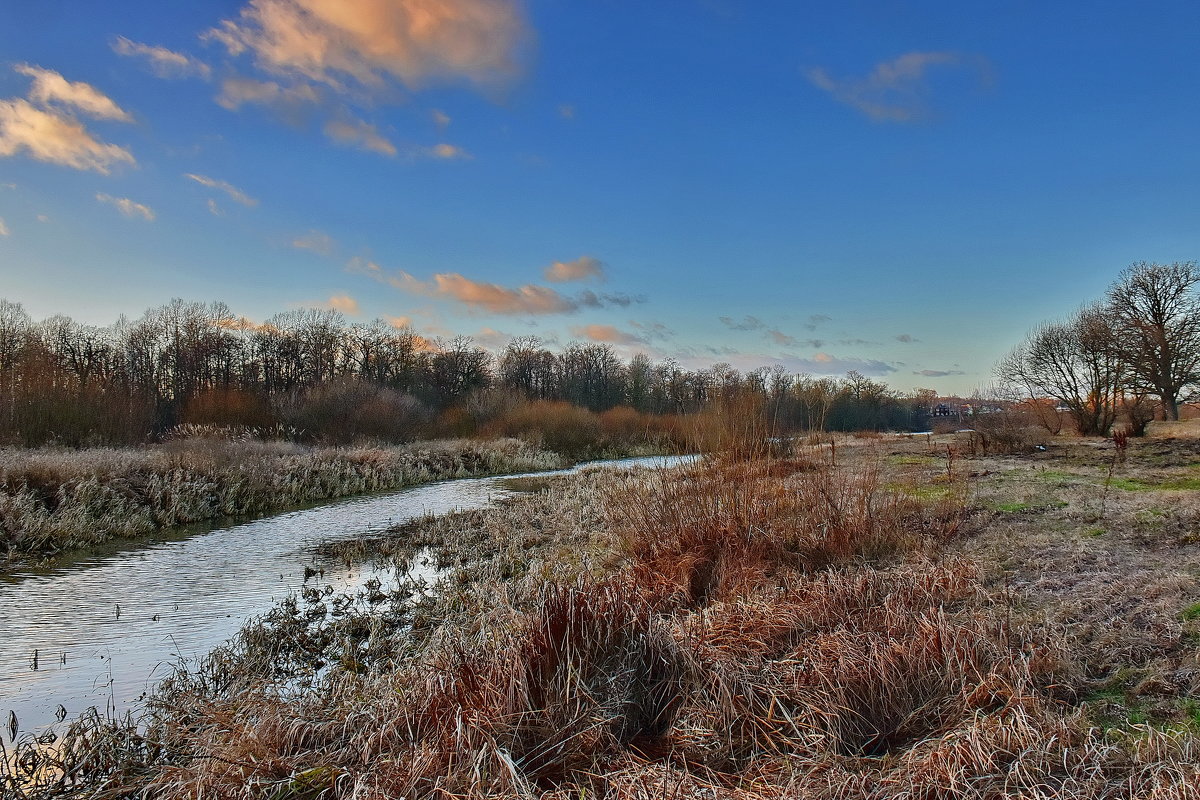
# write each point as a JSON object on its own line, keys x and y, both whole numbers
{"x": 127, "y": 207}
{"x": 55, "y": 138}
{"x": 49, "y": 89}
{"x": 165, "y": 63}
{"x": 3, "y": 228}
{"x": 894, "y": 91}
{"x": 234, "y": 193}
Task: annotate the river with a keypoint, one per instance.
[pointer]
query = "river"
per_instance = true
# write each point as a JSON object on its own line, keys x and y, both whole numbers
{"x": 101, "y": 629}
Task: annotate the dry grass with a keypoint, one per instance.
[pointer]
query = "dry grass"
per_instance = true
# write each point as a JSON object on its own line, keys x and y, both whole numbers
{"x": 52, "y": 500}
{"x": 760, "y": 629}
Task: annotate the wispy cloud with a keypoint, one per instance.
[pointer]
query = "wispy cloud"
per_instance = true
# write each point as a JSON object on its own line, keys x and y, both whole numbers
{"x": 781, "y": 338}
{"x": 492, "y": 338}
{"x": 316, "y": 241}
{"x": 127, "y": 207}
{"x": 440, "y": 118}
{"x": 906, "y": 338}
{"x": 652, "y": 331}
{"x": 45, "y": 131}
{"x": 288, "y": 102}
{"x": 607, "y": 334}
{"x": 343, "y": 303}
{"x": 747, "y": 323}
{"x": 448, "y": 152}
{"x": 491, "y": 297}
{"x": 580, "y": 269}
{"x": 894, "y": 91}
{"x": 372, "y": 41}
{"x": 566, "y": 111}
{"x": 234, "y": 193}
{"x": 51, "y": 89}
{"x": 360, "y": 134}
{"x": 165, "y": 63}
{"x": 815, "y": 320}
{"x": 3, "y": 228}
{"x": 938, "y": 373}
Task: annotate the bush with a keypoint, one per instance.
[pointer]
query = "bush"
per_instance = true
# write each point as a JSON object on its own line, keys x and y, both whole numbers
{"x": 350, "y": 411}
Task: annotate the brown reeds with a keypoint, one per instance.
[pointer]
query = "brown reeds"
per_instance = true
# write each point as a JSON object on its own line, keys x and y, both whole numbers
{"x": 757, "y": 630}
{"x": 51, "y": 500}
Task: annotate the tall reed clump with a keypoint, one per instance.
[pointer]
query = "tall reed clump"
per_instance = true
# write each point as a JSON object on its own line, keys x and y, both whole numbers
{"x": 761, "y": 631}
{"x": 52, "y": 500}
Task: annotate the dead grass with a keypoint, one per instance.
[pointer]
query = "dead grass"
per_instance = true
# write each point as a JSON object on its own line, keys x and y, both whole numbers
{"x": 759, "y": 629}
{"x": 52, "y": 500}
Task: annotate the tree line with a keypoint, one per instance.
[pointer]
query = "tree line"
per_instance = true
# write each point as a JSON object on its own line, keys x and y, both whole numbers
{"x": 310, "y": 374}
{"x": 1131, "y": 356}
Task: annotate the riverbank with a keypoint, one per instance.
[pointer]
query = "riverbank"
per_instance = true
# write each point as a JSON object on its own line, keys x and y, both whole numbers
{"x": 907, "y": 622}
{"x": 53, "y": 500}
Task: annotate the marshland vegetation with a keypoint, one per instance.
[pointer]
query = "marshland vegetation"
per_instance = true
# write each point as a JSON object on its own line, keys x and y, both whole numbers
{"x": 886, "y": 618}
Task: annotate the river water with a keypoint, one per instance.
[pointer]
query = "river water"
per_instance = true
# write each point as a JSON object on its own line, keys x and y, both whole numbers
{"x": 100, "y": 630}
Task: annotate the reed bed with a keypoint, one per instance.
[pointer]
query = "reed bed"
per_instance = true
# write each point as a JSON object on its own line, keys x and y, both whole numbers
{"x": 53, "y": 500}
{"x": 734, "y": 629}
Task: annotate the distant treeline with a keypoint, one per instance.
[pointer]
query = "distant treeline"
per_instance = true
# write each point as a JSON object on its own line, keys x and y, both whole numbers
{"x": 308, "y": 374}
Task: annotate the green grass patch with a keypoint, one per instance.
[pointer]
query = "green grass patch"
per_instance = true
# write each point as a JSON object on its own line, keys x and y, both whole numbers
{"x": 1092, "y": 533}
{"x": 1183, "y": 483}
{"x": 1191, "y": 613}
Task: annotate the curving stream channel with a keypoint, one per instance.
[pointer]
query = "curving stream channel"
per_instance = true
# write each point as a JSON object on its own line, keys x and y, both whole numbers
{"x": 101, "y": 630}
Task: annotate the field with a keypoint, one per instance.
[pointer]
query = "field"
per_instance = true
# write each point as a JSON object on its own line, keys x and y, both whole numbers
{"x": 883, "y": 618}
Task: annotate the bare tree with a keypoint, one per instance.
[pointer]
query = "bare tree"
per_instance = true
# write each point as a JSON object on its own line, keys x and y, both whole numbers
{"x": 1156, "y": 316}
{"x": 1076, "y": 362}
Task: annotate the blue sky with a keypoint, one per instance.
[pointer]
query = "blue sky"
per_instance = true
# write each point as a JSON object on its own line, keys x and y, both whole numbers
{"x": 901, "y": 188}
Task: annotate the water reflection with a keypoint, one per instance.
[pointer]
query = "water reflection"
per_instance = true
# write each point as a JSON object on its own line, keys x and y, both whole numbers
{"x": 106, "y": 627}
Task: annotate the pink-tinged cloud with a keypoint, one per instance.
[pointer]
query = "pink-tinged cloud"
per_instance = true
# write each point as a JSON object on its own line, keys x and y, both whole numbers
{"x": 343, "y": 303}
{"x": 440, "y": 118}
{"x": 398, "y": 322}
{"x": 370, "y": 41}
{"x": 163, "y": 62}
{"x": 3, "y": 228}
{"x": 234, "y": 193}
{"x": 607, "y": 334}
{"x": 51, "y": 89}
{"x": 448, "y": 152}
{"x": 55, "y": 138}
{"x": 580, "y": 269}
{"x": 360, "y": 134}
{"x": 127, "y": 207}
{"x": 491, "y": 338}
{"x": 317, "y": 241}
{"x": 491, "y": 297}
{"x": 895, "y": 91}
{"x": 528, "y": 299}
{"x": 781, "y": 338}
